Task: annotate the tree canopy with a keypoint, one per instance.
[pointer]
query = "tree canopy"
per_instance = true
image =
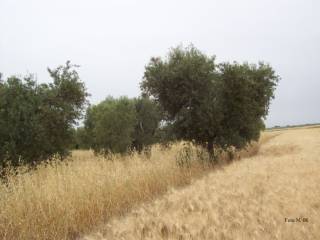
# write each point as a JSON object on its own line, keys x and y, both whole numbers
{"x": 110, "y": 125}
{"x": 36, "y": 120}
{"x": 123, "y": 124}
{"x": 208, "y": 103}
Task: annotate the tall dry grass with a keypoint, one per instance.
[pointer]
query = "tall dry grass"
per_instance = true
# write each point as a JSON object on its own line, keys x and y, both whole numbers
{"x": 273, "y": 195}
{"x": 62, "y": 200}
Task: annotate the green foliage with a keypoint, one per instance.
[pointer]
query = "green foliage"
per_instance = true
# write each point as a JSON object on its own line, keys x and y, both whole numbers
{"x": 36, "y": 120}
{"x": 120, "y": 125}
{"x": 110, "y": 125}
{"x": 210, "y": 104}
{"x": 165, "y": 134}
{"x": 186, "y": 96}
{"x": 184, "y": 86}
{"x": 147, "y": 122}
{"x": 81, "y": 140}
{"x": 245, "y": 93}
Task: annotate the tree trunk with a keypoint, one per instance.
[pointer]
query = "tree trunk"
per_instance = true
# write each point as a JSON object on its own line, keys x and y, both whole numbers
{"x": 210, "y": 149}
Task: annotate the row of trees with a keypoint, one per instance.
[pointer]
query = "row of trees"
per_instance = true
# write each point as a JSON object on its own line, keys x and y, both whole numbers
{"x": 185, "y": 96}
{"x": 212, "y": 105}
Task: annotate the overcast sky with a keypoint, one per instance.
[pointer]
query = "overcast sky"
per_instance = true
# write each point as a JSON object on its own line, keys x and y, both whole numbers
{"x": 113, "y": 40}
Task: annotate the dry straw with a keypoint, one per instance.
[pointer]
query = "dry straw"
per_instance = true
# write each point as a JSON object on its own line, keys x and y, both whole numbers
{"x": 62, "y": 200}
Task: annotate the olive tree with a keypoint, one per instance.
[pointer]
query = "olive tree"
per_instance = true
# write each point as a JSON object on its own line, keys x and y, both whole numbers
{"x": 210, "y": 104}
{"x": 36, "y": 120}
{"x": 123, "y": 124}
{"x": 110, "y": 125}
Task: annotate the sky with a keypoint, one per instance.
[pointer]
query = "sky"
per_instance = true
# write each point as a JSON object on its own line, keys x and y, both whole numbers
{"x": 113, "y": 41}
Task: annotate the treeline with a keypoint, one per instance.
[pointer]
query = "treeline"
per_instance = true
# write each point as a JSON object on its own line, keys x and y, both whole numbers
{"x": 293, "y": 126}
{"x": 185, "y": 96}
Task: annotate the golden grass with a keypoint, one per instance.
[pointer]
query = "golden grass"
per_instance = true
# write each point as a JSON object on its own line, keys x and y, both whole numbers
{"x": 255, "y": 198}
{"x": 66, "y": 199}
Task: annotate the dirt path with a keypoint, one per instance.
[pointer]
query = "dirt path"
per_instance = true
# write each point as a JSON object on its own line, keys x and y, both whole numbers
{"x": 255, "y": 198}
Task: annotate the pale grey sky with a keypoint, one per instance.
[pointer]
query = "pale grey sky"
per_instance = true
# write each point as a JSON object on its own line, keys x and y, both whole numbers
{"x": 113, "y": 40}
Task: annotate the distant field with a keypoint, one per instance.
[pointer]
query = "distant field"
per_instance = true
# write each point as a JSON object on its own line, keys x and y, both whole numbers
{"x": 293, "y": 127}
{"x": 273, "y": 195}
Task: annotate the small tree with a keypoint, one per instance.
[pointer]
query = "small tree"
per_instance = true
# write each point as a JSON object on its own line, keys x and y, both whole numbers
{"x": 110, "y": 125}
{"x": 118, "y": 125}
{"x": 63, "y": 103}
{"x": 36, "y": 120}
{"x": 210, "y": 104}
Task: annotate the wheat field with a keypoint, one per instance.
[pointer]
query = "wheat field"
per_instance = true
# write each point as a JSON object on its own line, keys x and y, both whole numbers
{"x": 136, "y": 197}
{"x": 273, "y": 195}
{"x": 63, "y": 200}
